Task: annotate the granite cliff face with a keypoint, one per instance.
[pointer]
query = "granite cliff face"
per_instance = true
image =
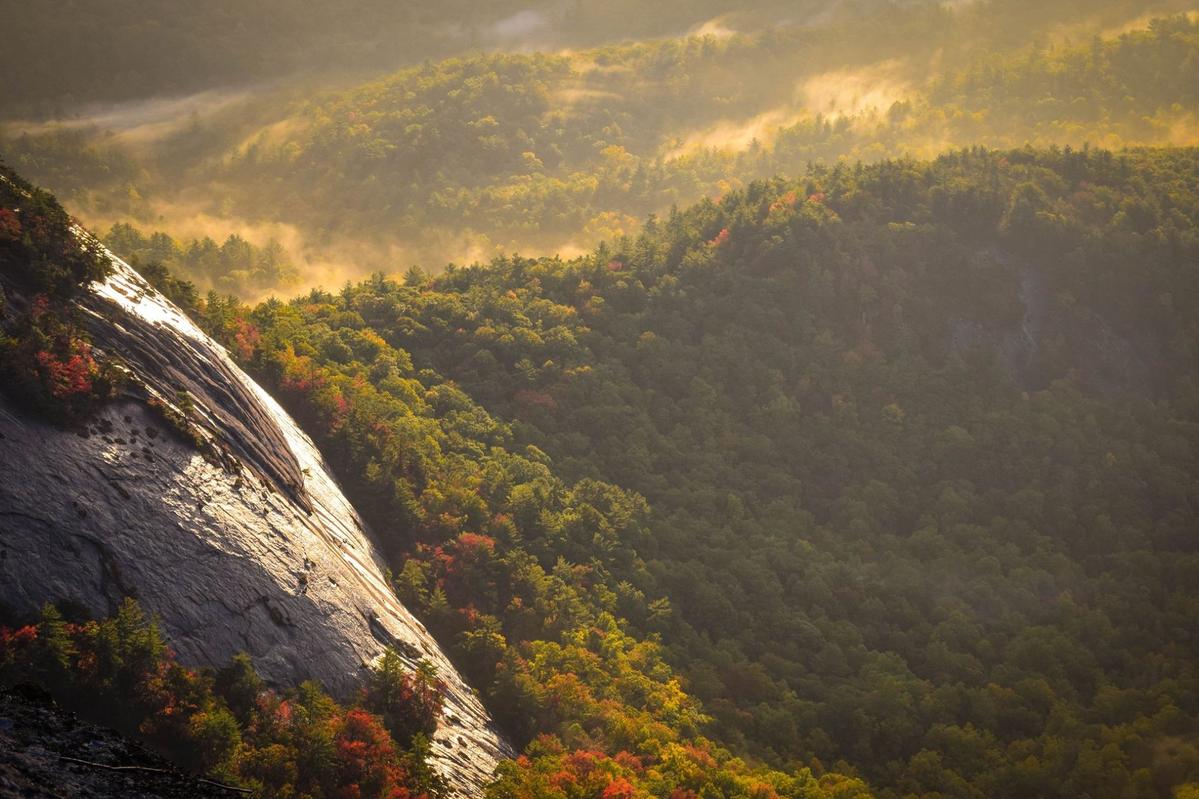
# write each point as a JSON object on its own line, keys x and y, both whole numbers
{"x": 245, "y": 543}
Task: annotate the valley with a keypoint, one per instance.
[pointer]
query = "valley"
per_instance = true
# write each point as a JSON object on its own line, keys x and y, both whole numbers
{"x": 731, "y": 399}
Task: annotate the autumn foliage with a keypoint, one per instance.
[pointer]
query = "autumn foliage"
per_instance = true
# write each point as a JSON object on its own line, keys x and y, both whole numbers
{"x": 39, "y": 250}
{"x": 120, "y": 672}
{"x": 46, "y": 359}
{"x": 49, "y": 363}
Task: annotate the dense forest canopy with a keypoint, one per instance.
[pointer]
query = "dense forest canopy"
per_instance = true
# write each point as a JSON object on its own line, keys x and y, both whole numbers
{"x": 908, "y": 443}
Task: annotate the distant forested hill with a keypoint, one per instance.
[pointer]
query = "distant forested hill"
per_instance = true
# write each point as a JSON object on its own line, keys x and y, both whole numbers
{"x": 907, "y": 458}
{"x": 467, "y": 157}
{"x": 555, "y": 148}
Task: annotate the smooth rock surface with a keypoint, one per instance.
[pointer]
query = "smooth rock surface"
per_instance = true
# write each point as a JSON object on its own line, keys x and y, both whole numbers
{"x": 256, "y": 550}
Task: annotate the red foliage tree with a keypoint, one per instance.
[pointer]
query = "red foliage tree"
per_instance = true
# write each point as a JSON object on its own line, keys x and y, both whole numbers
{"x": 246, "y": 338}
{"x": 67, "y": 376}
{"x": 10, "y": 225}
{"x": 619, "y": 788}
{"x": 366, "y": 759}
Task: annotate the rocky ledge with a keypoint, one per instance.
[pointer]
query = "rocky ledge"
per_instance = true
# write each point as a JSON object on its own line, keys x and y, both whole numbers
{"x": 47, "y": 753}
{"x": 254, "y": 550}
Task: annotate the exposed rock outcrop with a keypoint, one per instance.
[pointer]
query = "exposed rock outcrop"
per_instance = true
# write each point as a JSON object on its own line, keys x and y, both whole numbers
{"x": 250, "y": 546}
{"x": 1033, "y": 346}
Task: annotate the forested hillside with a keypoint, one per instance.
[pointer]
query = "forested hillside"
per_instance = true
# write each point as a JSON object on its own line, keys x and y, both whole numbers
{"x": 547, "y": 150}
{"x": 893, "y": 466}
{"x": 554, "y": 151}
{"x": 756, "y": 399}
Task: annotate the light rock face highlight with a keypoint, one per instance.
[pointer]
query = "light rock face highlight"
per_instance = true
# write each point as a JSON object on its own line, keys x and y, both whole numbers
{"x": 252, "y": 547}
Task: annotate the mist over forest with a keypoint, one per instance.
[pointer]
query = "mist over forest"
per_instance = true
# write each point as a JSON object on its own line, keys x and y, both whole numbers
{"x": 548, "y": 129}
{"x": 752, "y": 398}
